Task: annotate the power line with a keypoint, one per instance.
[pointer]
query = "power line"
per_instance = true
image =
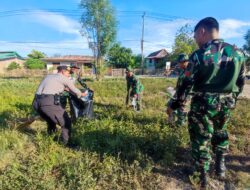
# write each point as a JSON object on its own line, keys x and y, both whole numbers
{"x": 79, "y": 12}
{"x": 49, "y": 47}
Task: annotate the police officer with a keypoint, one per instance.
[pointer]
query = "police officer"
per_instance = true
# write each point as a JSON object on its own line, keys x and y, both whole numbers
{"x": 47, "y": 101}
{"x": 215, "y": 73}
{"x": 136, "y": 88}
{"x": 182, "y": 61}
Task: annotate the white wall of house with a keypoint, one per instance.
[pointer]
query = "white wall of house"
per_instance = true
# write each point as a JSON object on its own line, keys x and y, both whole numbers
{"x": 49, "y": 65}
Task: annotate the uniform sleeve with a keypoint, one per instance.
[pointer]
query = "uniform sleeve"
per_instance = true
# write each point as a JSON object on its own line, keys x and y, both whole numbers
{"x": 242, "y": 75}
{"x": 137, "y": 85}
{"x": 187, "y": 82}
{"x": 68, "y": 83}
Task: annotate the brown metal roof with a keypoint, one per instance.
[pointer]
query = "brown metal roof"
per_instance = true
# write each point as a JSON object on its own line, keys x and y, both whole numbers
{"x": 70, "y": 58}
{"x": 158, "y": 54}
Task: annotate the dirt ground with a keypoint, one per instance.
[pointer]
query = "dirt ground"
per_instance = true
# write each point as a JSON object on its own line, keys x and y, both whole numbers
{"x": 246, "y": 91}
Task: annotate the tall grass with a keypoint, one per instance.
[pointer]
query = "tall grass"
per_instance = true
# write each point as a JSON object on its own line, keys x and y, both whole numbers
{"x": 119, "y": 149}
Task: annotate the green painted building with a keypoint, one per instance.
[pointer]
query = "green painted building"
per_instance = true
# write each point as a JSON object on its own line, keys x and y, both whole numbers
{"x": 6, "y": 57}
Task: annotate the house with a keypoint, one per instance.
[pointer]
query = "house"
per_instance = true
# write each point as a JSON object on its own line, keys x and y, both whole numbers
{"x": 156, "y": 59}
{"x": 84, "y": 62}
{"x": 7, "y": 57}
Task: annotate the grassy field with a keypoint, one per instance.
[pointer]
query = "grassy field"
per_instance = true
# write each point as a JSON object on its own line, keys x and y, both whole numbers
{"x": 119, "y": 149}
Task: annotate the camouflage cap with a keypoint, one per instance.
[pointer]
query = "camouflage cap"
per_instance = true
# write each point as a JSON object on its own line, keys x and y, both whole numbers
{"x": 74, "y": 66}
{"x": 182, "y": 57}
{"x": 128, "y": 69}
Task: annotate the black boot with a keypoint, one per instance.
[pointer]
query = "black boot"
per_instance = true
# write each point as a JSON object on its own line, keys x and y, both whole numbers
{"x": 220, "y": 168}
{"x": 203, "y": 179}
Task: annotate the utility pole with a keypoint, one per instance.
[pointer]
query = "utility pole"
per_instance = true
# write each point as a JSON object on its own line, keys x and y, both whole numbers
{"x": 142, "y": 40}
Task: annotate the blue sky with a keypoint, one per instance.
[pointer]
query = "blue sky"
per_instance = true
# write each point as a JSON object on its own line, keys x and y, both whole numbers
{"x": 36, "y": 25}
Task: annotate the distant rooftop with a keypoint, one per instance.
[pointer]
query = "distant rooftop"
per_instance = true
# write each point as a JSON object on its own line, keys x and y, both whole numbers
{"x": 5, "y": 55}
{"x": 158, "y": 54}
{"x": 70, "y": 58}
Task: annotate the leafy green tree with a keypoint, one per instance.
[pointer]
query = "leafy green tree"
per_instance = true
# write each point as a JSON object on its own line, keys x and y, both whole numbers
{"x": 36, "y": 54}
{"x": 34, "y": 64}
{"x": 99, "y": 26}
{"x": 137, "y": 61}
{"x": 13, "y": 65}
{"x": 120, "y": 57}
{"x": 184, "y": 42}
{"x": 34, "y": 61}
{"x": 246, "y": 47}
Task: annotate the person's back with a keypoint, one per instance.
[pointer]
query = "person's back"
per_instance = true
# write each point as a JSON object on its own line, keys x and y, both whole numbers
{"x": 218, "y": 68}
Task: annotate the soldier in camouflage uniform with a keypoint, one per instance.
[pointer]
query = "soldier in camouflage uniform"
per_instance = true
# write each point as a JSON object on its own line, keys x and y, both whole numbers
{"x": 136, "y": 88}
{"x": 216, "y": 75}
{"x": 180, "y": 112}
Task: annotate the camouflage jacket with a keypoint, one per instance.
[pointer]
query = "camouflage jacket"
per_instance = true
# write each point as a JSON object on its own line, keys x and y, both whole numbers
{"x": 180, "y": 78}
{"x": 178, "y": 84}
{"x": 134, "y": 83}
{"x": 217, "y": 67}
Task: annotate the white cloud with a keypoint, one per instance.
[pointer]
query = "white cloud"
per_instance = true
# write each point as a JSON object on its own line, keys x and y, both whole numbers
{"x": 232, "y": 28}
{"x": 65, "y": 47}
{"x": 161, "y": 34}
{"x": 57, "y": 21}
{"x": 158, "y": 35}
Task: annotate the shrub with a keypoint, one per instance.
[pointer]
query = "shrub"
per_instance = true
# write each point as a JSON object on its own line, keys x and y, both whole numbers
{"x": 13, "y": 65}
{"x": 34, "y": 64}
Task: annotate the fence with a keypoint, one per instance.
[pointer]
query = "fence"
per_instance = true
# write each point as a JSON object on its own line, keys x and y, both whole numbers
{"x": 121, "y": 72}
{"x": 18, "y": 73}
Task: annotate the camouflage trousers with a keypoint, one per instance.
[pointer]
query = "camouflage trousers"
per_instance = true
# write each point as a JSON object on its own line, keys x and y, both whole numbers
{"x": 179, "y": 116}
{"x": 207, "y": 124}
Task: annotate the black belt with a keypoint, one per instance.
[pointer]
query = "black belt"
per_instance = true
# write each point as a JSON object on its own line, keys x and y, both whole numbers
{"x": 44, "y": 95}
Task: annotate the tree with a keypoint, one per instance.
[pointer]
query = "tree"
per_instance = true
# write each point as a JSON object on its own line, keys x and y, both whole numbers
{"x": 137, "y": 62}
{"x": 34, "y": 64}
{"x": 184, "y": 42}
{"x": 13, "y": 65}
{"x": 246, "y": 47}
{"x": 99, "y": 26}
{"x": 34, "y": 61}
{"x": 120, "y": 57}
{"x": 36, "y": 54}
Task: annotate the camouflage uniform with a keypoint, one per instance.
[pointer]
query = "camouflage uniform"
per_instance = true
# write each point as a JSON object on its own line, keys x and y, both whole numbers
{"x": 136, "y": 88}
{"x": 216, "y": 76}
{"x": 179, "y": 112}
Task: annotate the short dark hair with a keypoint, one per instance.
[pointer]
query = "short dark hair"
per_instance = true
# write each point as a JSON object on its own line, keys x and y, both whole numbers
{"x": 62, "y": 67}
{"x": 208, "y": 23}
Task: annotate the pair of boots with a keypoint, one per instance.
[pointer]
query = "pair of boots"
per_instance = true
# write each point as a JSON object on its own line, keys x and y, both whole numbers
{"x": 220, "y": 170}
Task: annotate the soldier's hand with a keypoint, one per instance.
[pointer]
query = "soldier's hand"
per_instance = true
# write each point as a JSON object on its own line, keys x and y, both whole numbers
{"x": 169, "y": 111}
{"x": 85, "y": 93}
